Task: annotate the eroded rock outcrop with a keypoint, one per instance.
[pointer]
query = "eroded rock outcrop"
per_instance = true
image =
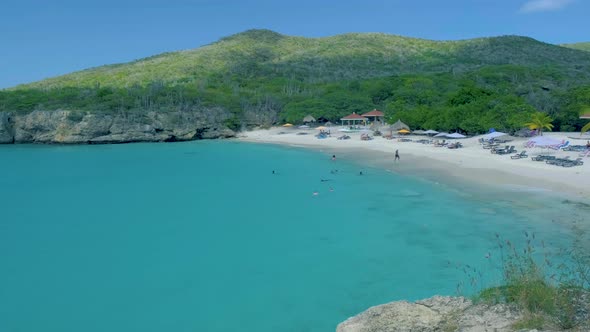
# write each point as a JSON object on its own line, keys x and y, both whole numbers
{"x": 6, "y": 129}
{"x": 71, "y": 127}
{"x": 437, "y": 314}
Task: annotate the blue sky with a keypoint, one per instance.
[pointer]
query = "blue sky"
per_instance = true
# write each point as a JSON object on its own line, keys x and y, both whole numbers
{"x": 41, "y": 39}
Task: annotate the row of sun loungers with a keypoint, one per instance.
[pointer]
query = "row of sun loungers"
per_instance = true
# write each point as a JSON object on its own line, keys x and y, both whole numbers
{"x": 563, "y": 162}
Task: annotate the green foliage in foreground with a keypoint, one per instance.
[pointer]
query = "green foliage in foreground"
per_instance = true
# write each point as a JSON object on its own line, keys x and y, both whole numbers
{"x": 558, "y": 299}
{"x": 469, "y": 85}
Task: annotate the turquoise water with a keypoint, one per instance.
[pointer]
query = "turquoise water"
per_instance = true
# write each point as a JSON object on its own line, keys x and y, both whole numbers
{"x": 201, "y": 236}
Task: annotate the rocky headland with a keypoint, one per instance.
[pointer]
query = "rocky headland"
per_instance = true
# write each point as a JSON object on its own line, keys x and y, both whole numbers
{"x": 440, "y": 314}
{"x": 72, "y": 127}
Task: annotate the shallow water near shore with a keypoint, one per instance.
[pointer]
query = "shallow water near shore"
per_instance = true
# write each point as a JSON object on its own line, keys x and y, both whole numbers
{"x": 202, "y": 236}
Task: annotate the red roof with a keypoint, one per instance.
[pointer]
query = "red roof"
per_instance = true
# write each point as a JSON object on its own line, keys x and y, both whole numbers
{"x": 585, "y": 116}
{"x": 354, "y": 116}
{"x": 374, "y": 112}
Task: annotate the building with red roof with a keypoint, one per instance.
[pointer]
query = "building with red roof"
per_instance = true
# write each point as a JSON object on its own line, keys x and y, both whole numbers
{"x": 353, "y": 119}
{"x": 374, "y": 115}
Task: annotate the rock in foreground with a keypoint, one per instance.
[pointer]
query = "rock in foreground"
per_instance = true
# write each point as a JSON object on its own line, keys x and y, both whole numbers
{"x": 437, "y": 314}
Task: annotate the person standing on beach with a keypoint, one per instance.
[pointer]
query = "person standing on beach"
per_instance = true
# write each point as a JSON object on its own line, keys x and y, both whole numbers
{"x": 396, "y": 155}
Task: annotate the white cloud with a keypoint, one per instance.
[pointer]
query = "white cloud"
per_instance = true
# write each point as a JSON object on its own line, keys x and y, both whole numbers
{"x": 544, "y": 5}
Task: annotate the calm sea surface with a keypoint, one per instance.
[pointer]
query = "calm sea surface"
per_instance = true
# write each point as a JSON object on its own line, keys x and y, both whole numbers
{"x": 201, "y": 236}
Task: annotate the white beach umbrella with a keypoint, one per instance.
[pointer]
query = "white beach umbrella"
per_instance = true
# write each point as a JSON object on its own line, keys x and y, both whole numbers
{"x": 303, "y": 127}
{"x": 431, "y": 132}
{"x": 443, "y": 134}
{"x": 455, "y": 135}
{"x": 495, "y": 134}
{"x": 542, "y": 141}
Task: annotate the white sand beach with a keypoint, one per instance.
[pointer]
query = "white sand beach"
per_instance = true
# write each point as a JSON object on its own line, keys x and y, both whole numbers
{"x": 471, "y": 163}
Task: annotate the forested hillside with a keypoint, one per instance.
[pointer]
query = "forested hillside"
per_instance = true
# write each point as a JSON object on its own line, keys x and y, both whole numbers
{"x": 260, "y": 77}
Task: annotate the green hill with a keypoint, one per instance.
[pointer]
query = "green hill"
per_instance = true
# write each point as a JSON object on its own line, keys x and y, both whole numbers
{"x": 469, "y": 85}
{"x": 578, "y": 46}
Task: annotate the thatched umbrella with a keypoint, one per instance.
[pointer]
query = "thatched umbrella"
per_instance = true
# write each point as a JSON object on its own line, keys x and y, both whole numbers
{"x": 399, "y": 125}
{"x": 375, "y": 126}
{"x": 308, "y": 119}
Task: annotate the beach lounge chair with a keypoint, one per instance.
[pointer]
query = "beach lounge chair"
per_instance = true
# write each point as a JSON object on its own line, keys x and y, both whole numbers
{"x": 366, "y": 137}
{"x": 520, "y": 155}
{"x": 558, "y": 161}
{"x": 571, "y": 163}
{"x": 542, "y": 158}
{"x": 504, "y": 150}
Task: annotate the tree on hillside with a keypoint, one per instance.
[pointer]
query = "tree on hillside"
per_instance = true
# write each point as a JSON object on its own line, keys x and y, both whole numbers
{"x": 540, "y": 121}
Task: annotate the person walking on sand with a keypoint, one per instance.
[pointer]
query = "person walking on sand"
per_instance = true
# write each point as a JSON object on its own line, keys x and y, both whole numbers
{"x": 396, "y": 155}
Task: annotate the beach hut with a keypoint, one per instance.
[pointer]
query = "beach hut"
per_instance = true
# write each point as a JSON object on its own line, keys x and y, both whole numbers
{"x": 374, "y": 115}
{"x": 308, "y": 119}
{"x": 585, "y": 116}
{"x": 353, "y": 120}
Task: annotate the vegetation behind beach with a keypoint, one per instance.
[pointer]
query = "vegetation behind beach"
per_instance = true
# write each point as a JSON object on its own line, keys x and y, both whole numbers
{"x": 468, "y": 85}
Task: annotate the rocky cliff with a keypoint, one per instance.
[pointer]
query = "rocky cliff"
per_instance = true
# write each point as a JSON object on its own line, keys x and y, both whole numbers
{"x": 71, "y": 127}
{"x": 437, "y": 314}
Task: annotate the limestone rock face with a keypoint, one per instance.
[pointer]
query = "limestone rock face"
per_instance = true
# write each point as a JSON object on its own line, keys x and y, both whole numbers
{"x": 73, "y": 127}
{"x": 6, "y": 129}
{"x": 437, "y": 314}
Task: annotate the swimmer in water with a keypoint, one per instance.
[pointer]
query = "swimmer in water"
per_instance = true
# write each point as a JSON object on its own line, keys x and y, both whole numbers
{"x": 361, "y": 173}
{"x": 331, "y": 189}
{"x": 333, "y": 157}
{"x": 273, "y": 172}
{"x": 315, "y": 193}
{"x": 324, "y": 180}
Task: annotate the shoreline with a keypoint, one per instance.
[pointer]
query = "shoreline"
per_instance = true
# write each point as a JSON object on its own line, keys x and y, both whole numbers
{"x": 470, "y": 165}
